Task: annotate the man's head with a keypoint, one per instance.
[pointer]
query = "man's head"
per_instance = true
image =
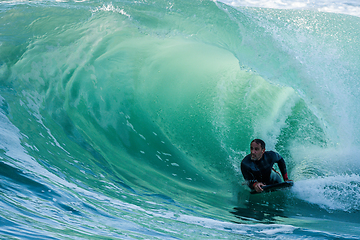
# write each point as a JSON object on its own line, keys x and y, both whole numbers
{"x": 257, "y": 149}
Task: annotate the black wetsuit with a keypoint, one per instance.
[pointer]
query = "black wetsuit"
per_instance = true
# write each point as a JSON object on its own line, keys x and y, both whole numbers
{"x": 260, "y": 171}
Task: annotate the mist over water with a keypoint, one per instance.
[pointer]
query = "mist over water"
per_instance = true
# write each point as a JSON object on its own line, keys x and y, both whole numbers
{"x": 130, "y": 119}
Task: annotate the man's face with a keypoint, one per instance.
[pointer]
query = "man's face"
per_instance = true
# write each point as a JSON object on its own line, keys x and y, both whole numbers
{"x": 256, "y": 151}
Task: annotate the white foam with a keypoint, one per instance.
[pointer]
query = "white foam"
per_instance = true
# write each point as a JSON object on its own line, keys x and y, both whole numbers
{"x": 332, "y": 193}
{"x": 237, "y": 228}
{"x": 343, "y": 7}
{"x": 110, "y": 8}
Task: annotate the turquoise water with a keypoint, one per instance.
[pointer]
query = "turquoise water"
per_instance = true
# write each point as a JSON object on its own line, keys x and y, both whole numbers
{"x": 129, "y": 119}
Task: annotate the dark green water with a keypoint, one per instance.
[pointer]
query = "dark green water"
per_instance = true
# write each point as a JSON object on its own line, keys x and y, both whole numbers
{"x": 128, "y": 120}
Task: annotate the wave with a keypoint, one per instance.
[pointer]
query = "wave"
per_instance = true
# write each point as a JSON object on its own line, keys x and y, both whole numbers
{"x": 143, "y": 105}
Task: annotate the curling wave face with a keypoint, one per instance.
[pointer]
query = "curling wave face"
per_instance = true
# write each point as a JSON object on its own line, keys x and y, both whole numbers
{"x": 136, "y": 105}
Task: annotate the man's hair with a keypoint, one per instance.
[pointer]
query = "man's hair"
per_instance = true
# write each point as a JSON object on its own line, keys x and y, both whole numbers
{"x": 259, "y": 141}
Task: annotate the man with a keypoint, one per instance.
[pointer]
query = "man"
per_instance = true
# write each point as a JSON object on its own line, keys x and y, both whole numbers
{"x": 257, "y": 167}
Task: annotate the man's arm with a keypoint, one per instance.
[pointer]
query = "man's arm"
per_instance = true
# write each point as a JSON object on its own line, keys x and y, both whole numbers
{"x": 282, "y": 167}
{"x": 248, "y": 176}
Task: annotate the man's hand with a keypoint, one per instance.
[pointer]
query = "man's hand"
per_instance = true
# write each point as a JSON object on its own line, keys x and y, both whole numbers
{"x": 258, "y": 186}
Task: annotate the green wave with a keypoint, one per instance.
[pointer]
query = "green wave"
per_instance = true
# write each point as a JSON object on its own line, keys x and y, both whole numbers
{"x": 166, "y": 97}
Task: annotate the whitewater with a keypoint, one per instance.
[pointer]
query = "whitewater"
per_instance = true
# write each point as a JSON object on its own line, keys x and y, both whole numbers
{"x": 129, "y": 119}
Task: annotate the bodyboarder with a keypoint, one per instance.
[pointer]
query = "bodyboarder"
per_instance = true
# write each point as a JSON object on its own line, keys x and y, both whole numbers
{"x": 257, "y": 167}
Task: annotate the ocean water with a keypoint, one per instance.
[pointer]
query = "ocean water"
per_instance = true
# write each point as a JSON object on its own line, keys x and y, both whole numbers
{"x": 129, "y": 119}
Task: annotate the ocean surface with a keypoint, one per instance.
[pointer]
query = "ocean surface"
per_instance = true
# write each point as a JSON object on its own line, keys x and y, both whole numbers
{"x": 129, "y": 119}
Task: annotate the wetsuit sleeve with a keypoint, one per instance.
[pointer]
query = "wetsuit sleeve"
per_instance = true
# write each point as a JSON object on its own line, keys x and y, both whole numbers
{"x": 248, "y": 176}
{"x": 282, "y": 167}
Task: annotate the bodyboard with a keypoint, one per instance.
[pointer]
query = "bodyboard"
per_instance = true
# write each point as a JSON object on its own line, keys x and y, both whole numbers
{"x": 274, "y": 187}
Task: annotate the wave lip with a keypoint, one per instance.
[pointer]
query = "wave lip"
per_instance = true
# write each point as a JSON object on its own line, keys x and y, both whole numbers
{"x": 351, "y": 7}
